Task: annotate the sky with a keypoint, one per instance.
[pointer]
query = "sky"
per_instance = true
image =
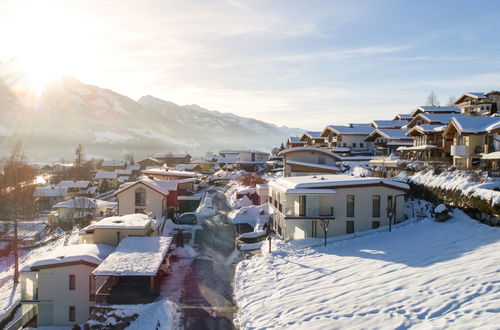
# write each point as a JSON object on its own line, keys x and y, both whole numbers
{"x": 297, "y": 63}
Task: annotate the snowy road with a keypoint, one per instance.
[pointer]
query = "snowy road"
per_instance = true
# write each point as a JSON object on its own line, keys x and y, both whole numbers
{"x": 207, "y": 297}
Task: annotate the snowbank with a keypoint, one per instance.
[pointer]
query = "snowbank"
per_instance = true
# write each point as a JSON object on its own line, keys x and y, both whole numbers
{"x": 185, "y": 252}
{"x": 361, "y": 172}
{"x": 426, "y": 275}
{"x": 206, "y": 207}
{"x": 250, "y": 215}
{"x": 232, "y": 193}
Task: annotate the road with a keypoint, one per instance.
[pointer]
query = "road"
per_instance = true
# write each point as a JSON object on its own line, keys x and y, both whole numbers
{"x": 207, "y": 295}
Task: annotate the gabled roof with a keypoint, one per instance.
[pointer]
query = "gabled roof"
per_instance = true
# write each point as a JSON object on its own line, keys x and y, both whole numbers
{"x": 309, "y": 149}
{"x": 50, "y": 192}
{"x": 119, "y": 163}
{"x": 426, "y": 129}
{"x": 360, "y": 129}
{"x": 434, "y": 118}
{"x": 163, "y": 155}
{"x": 437, "y": 109}
{"x": 474, "y": 95}
{"x": 79, "y": 202}
{"x": 161, "y": 186}
{"x": 401, "y": 116}
{"x": 389, "y": 123}
{"x": 163, "y": 172}
{"x": 311, "y": 135}
{"x": 294, "y": 139}
{"x": 106, "y": 175}
{"x": 73, "y": 184}
{"x": 474, "y": 125}
{"x": 389, "y": 134}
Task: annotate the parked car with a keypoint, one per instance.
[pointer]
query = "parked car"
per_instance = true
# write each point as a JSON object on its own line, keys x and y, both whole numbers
{"x": 188, "y": 218}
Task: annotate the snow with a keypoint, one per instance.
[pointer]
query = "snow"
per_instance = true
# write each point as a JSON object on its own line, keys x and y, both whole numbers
{"x": 82, "y": 202}
{"x": 206, "y": 207}
{"x": 162, "y": 186}
{"x": 440, "y": 208}
{"x": 389, "y": 123}
{"x": 361, "y": 172}
{"x": 392, "y": 134}
{"x": 128, "y": 221}
{"x": 251, "y": 246}
{"x": 312, "y": 134}
{"x": 467, "y": 182}
{"x": 135, "y": 256}
{"x": 250, "y": 215}
{"x": 185, "y": 252}
{"x": 106, "y": 175}
{"x": 315, "y": 149}
{"x": 163, "y": 172}
{"x": 319, "y": 166}
{"x": 73, "y": 184}
{"x": 348, "y": 130}
{"x": 253, "y": 234}
{"x": 475, "y": 125}
{"x": 432, "y": 108}
{"x": 50, "y": 192}
{"x": 425, "y": 275}
{"x": 91, "y": 253}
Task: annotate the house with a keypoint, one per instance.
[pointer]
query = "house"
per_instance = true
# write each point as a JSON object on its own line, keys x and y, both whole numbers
{"x": 294, "y": 141}
{"x": 348, "y": 139}
{"x": 58, "y": 289}
{"x": 187, "y": 167}
{"x": 387, "y": 141}
{"x": 29, "y": 233}
{"x": 171, "y": 159}
{"x": 78, "y": 188}
{"x": 473, "y": 138}
{"x": 403, "y": 116}
{"x": 205, "y": 165}
{"x": 428, "y": 144}
{"x": 110, "y": 177}
{"x": 479, "y": 103}
{"x": 300, "y": 205}
{"x": 46, "y": 197}
{"x": 149, "y": 161}
{"x": 431, "y": 119}
{"x": 433, "y": 109}
{"x": 252, "y": 161}
{"x": 312, "y": 138}
{"x": 82, "y": 207}
{"x": 132, "y": 272}
{"x": 166, "y": 174}
{"x": 112, "y": 230}
{"x": 309, "y": 161}
{"x": 388, "y": 123}
{"x": 112, "y": 165}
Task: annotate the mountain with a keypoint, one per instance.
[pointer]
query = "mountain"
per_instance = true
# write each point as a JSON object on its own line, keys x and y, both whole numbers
{"x": 110, "y": 124}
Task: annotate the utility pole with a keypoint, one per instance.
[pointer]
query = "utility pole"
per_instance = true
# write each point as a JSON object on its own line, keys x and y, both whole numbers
{"x": 16, "y": 213}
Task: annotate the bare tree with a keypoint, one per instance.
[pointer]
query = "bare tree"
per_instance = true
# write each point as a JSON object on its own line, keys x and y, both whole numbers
{"x": 451, "y": 100}
{"x": 129, "y": 157}
{"x": 432, "y": 99}
{"x": 78, "y": 163}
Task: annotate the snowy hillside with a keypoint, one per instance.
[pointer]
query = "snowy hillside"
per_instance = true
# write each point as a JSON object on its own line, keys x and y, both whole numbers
{"x": 425, "y": 275}
{"x": 109, "y": 124}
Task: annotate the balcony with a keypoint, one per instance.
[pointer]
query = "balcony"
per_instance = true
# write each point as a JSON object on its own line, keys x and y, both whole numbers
{"x": 458, "y": 150}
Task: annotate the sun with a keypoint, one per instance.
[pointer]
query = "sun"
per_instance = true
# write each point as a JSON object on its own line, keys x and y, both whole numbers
{"x": 47, "y": 43}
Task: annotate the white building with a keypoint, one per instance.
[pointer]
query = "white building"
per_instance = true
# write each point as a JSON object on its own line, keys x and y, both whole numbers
{"x": 309, "y": 161}
{"x": 348, "y": 139}
{"x": 298, "y": 205}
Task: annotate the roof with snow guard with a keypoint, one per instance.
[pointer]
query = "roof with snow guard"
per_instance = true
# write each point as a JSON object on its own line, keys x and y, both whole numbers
{"x": 389, "y": 123}
{"x": 308, "y": 149}
{"x": 319, "y": 182}
{"x": 114, "y": 163}
{"x": 128, "y": 221}
{"x": 74, "y": 184}
{"x": 50, "y": 192}
{"x": 474, "y": 125}
{"x": 360, "y": 129}
{"x": 136, "y": 256}
{"x": 91, "y": 254}
{"x": 106, "y": 175}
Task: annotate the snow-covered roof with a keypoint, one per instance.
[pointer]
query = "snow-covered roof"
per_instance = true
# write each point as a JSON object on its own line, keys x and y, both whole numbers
{"x": 421, "y": 147}
{"x": 348, "y": 130}
{"x": 74, "y": 184}
{"x": 135, "y": 256}
{"x": 78, "y": 202}
{"x": 162, "y": 172}
{"x": 435, "y": 118}
{"x": 128, "y": 221}
{"x": 114, "y": 163}
{"x": 162, "y": 186}
{"x": 305, "y": 149}
{"x": 228, "y": 160}
{"x": 476, "y": 125}
{"x": 424, "y": 129}
{"x": 135, "y": 167}
{"x": 50, "y": 192}
{"x": 185, "y": 167}
{"x": 294, "y": 139}
{"x": 106, "y": 175}
{"x": 492, "y": 155}
{"x": 389, "y": 123}
{"x": 390, "y": 134}
{"x": 312, "y": 134}
{"x": 163, "y": 155}
{"x": 406, "y": 116}
{"x": 333, "y": 181}
{"x": 437, "y": 109}
{"x": 84, "y": 253}
{"x": 319, "y": 166}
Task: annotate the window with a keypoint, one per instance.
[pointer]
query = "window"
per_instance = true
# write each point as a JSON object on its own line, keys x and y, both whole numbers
{"x": 321, "y": 159}
{"x": 72, "y": 282}
{"x": 389, "y": 203}
{"x": 375, "y": 224}
{"x": 72, "y": 314}
{"x": 302, "y": 206}
{"x": 361, "y": 145}
{"x": 253, "y": 156}
{"x": 354, "y": 145}
{"x": 140, "y": 197}
{"x": 91, "y": 288}
{"x": 350, "y": 205}
{"x": 345, "y": 145}
{"x": 376, "y": 206}
{"x": 349, "y": 227}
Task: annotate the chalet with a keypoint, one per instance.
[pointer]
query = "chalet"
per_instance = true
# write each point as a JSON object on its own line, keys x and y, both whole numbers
{"x": 110, "y": 177}
{"x": 351, "y": 137}
{"x": 171, "y": 159}
{"x": 205, "y": 165}
{"x": 82, "y": 207}
{"x": 381, "y": 124}
{"x": 312, "y": 138}
{"x": 432, "y": 109}
{"x": 309, "y": 161}
{"x": 473, "y": 139}
{"x": 387, "y": 141}
{"x": 59, "y": 289}
{"x": 112, "y": 230}
{"x": 112, "y": 165}
{"x": 149, "y": 161}
{"x": 78, "y": 188}
{"x": 479, "y": 103}
{"x": 428, "y": 144}
{"x": 431, "y": 119}
{"x": 133, "y": 271}
{"x": 294, "y": 141}
{"x": 301, "y": 205}
{"x": 252, "y": 161}
{"x": 403, "y": 116}
{"x": 46, "y": 197}
{"x": 29, "y": 233}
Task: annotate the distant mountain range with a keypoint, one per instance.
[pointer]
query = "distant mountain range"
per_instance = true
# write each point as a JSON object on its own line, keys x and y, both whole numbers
{"x": 110, "y": 124}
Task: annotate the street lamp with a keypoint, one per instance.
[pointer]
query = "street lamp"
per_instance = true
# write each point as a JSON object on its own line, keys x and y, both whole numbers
{"x": 324, "y": 224}
{"x": 391, "y": 211}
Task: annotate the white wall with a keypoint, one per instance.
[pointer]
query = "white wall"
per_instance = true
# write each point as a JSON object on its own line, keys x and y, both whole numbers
{"x": 155, "y": 202}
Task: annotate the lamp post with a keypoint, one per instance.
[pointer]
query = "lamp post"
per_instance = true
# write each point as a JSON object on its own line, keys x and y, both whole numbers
{"x": 324, "y": 225}
{"x": 391, "y": 211}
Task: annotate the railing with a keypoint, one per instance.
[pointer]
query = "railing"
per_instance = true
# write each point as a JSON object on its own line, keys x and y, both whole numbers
{"x": 458, "y": 150}
{"x": 326, "y": 213}
{"x": 24, "y": 319}
{"x": 103, "y": 294}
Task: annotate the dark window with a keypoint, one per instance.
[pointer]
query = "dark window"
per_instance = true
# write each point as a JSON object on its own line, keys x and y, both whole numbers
{"x": 389, "y": 203}
{"x": 376, "y": 206}
{"x": 321, "y": 159}
{"x": 91, "y": 288}
{"x": 270, "y": 199}
{"x": 72, "y": 281}
{"x": 350, "y": 205}
{"x": 140, "y": 197}
{"x": 361, "y": 145}
{"x": 302, "y": 206}
{"x": 375, "y": 224}
{"x": 72, "y": 314}
{"x": 349, "y": 227}
{"x": 354, "y": 145}
{"x": 253, "y": 156}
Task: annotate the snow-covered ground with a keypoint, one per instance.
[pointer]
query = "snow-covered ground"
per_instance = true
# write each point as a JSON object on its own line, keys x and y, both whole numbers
{"x": 422, "y": 275}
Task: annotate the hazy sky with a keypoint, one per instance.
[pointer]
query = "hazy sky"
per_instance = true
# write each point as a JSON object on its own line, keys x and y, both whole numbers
{"x": 296, "y": 63}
